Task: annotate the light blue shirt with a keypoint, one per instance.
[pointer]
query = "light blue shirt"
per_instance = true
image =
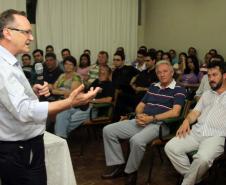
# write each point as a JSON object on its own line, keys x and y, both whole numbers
{"x": 22, "y": 116}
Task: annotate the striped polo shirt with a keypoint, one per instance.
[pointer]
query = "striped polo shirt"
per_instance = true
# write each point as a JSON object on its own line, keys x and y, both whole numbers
{"x": 212, "y": 120}
{"x": 158, "y": 99}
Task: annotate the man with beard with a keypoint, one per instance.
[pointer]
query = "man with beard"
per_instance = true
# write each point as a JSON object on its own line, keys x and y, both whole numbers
{"x": 207, "y": 136}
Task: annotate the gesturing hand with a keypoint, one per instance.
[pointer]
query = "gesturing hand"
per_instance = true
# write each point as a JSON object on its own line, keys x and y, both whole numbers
{"x": 78, "y": 97}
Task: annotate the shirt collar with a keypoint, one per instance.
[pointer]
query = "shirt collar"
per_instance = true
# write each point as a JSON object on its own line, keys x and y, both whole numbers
{"x": 214, "y": 92}
{"x": 171, "y": 85}
{"x": 7, "y": 56}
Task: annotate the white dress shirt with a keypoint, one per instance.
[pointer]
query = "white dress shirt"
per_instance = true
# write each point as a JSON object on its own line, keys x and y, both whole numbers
{"x": 212, "y": 121}
{"x": 22, "y": 116}
{"x": 140, "y": 68}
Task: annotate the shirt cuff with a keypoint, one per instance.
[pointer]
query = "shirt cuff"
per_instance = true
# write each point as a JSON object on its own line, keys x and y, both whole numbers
{"x": 41, "y": 112}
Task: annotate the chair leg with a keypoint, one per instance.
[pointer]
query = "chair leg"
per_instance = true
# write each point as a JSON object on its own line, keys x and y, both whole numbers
{"x": 82, "y": 143}
{"x": 152, "y": 157}
{"x": 83, "y": 140}
{"x": 160, "y": 153}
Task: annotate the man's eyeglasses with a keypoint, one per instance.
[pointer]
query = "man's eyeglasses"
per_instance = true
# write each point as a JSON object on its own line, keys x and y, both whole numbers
{"x": 27, "y": 32}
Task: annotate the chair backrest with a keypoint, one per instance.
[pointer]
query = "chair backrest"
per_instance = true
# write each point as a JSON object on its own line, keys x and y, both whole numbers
{"x": 185, "y": 108}
{"x": 184, "y": 111}
{"x": 115, "y": 98}
{"x": 174, "y": 123}
{"x": 107, "y": 110}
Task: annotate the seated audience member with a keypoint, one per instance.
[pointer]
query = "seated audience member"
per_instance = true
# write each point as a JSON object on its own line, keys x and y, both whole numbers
{"x": 120, "y": 49}
{"x": 207, "y": 59}
{"x": 49, "y": 49}
{"x": 159, "y": 54}
{"x": 121, "y": 78}
{"x": 190, "y": 78}
{"x": 87, "y": 51}
{"x": 207, "y": 136}
{"x": 122, "y": 74}
{"x": 68, "y": 81}
{"x": 142, "y": 81}
{"x": 213, "y": 53}
{"x": 173, "y": 55}
{"x": 139, "y": 63}
{"x": 203, "y": 66}
{"x": 26, "y": 66}
{"x": 38, "y": 58}
{"x": 64, "y": 53}
{"x": 70, "y": 119}
{"x": 191, "y": 71}
{"x": 181, "y": 66}
{"x": 83, "y": 68}
{"x": 163, "y": 100}
{"x": 167, "y": 56}
{"x": 143, "y": 48}
{"x": 51, "y": 70}
{"x": 192, "y": 52}
{"x": 152, "y": 50}
{"x": 102, "y": 60}
{"x": 204, "y": 84}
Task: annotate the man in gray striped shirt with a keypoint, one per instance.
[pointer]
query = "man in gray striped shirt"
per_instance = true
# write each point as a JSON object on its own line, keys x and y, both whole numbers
{"x": 207, "y": 136}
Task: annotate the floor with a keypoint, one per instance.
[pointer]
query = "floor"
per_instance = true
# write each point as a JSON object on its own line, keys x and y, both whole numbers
{"x": 89, "y": 167}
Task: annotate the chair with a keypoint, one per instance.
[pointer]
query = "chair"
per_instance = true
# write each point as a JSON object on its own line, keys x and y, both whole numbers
{"x": 173, "y": 124}
{"x": 104, "y": 117}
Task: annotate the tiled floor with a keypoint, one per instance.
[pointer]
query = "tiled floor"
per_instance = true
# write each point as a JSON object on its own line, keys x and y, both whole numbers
{"x": 89, "y": 167}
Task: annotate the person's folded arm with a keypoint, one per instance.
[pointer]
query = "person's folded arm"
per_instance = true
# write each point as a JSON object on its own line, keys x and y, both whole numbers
{"x": 144, "y": 119}
{"x": 174, "y": 112}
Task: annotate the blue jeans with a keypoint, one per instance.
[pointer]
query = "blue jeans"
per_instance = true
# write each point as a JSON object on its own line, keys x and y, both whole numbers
{"x": 69, "y": 120}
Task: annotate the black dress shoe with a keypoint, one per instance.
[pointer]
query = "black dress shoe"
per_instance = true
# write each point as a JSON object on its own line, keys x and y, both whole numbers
{"x": 114, "y": 172}
{"x": 131, "y": 178}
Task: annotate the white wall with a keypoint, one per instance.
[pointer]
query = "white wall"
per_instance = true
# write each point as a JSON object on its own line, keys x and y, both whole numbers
{"x": 180, "y": 24}
{"x": 141, "y": 28}
{"x": 12, "y": 4}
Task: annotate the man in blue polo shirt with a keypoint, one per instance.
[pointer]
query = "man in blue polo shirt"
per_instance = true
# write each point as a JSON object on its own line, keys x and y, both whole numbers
{"x": 163, "y": 100}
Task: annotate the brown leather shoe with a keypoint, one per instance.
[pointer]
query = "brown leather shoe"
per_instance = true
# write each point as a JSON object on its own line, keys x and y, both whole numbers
{"x": 131, "y": 178}
{"x": 114, "y": 172}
